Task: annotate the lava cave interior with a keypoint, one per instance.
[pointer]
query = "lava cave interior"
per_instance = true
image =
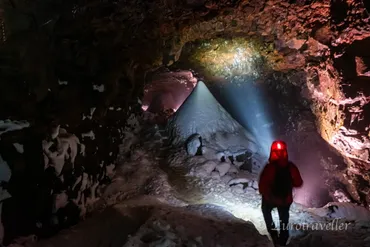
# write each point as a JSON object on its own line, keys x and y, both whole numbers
{"x": 148, "y": 123}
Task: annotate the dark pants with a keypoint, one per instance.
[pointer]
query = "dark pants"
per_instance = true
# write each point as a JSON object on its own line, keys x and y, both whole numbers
{"x": 283, "y": 217}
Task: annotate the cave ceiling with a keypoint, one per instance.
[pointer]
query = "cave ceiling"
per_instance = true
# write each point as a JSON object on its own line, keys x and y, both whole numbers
{"x": 117, "y": 43}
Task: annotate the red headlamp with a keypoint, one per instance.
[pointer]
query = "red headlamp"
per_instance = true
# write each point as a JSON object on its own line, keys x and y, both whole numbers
{"x": 278, "y": 145}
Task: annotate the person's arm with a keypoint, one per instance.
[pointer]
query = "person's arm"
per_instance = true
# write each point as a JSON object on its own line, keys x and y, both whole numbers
{"x": 296, "y": 176}
{"x": 265, "y": 180}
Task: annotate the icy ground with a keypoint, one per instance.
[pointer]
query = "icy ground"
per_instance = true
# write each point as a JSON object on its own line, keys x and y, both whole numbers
{"x": 159, "y": 198}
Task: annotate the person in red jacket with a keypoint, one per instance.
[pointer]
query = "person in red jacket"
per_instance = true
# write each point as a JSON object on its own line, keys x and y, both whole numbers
{"x": 276, "y": 184}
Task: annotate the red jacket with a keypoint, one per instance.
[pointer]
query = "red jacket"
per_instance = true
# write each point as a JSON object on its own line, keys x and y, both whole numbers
{"x": 267, "y": 178}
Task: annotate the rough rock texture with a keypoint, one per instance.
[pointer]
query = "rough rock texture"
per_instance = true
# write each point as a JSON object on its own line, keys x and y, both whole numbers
{"x": 83, "y": 64}
{"x": 167, "y": 90}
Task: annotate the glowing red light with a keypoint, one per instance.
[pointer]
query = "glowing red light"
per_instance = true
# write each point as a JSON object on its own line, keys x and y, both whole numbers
{"x": 279, "y": 146}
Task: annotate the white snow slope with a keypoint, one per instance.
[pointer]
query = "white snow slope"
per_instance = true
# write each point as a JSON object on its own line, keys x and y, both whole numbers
{"x": 202, "y": 114}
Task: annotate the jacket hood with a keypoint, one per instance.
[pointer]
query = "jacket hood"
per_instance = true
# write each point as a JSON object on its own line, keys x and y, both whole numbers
{"x": 279, "y": 151}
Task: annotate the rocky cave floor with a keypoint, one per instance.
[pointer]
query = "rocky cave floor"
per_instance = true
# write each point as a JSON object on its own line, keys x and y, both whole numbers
{"x": 157, "y": 198}
{"x": 94, "y": 62}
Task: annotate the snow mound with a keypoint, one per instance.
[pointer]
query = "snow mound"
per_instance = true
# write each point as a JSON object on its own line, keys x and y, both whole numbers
{"x": 202, "y": 114}
{"x": 342, "y": 210}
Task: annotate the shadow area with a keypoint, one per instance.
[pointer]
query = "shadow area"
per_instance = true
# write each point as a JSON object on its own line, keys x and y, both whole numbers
{"x": 109, "y": 228}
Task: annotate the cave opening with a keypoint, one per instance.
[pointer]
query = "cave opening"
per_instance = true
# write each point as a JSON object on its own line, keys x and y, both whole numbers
{"x": 264, "y": 102}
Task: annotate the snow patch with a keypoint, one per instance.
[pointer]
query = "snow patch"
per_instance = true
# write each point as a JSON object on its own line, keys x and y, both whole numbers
{"x": 232, "y": 170}
{"x": 99, "y": 88}
{"x": 89, "y": 134}
{"x": 92, "y": 110}
{"x": 215, "y": 175}
{"x": 5, "y": 172}
{"x": 342, "y": 210}
{"x": 62, "y": 82}
{"x": 226, "y": 179}
{"x": 255, "y": 185}
{"x": 9, "y": 125}
{"x": 18, "y": 147}
{"x": 202, "y": 114}
{"x": 223, "y": 168}
{"x": 239, "y": 181}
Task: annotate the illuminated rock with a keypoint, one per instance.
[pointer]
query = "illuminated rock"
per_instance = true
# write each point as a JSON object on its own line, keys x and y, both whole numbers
{"x": 223, "y": 168}
{"x": 226, "y": 179}
{"x": 205, "y": 169}
{"x": 362, "y": 66}
{"x": 193, "y": 144}
{"x": 232, "y": 170}
{"x": 215, "y": 175}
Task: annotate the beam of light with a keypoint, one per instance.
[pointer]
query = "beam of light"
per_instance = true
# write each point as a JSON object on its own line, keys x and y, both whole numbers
{"x": 245, "y": 102}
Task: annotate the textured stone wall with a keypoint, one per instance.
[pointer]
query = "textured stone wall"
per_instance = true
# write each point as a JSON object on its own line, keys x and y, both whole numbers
{"x": 83, "y": 64}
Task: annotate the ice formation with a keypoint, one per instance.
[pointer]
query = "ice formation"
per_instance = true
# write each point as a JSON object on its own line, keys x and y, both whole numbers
{"x": 202, "y": 114}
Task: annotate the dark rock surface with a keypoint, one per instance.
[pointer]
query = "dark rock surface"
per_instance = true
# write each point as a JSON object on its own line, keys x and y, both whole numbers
{"x": 84, "y": 64}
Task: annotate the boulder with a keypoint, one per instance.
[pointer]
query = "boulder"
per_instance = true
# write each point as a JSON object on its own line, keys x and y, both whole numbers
{"x": 209, "y": 166}
{"x": 232, "y": 170}
{"x": 226, "y": 179}
{"x": 215, "y": 175}
{"x": 223, "y": 168}
{"x": 206, "y": 168}
{"x": 237, "y": 189}
{"x": 193, "y": 144}
{"x": 239, "y": 181}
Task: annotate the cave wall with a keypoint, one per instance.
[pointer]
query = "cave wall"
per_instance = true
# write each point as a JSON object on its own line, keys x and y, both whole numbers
{"x": 324, "y": 42}
{"x": 59, "y": 60}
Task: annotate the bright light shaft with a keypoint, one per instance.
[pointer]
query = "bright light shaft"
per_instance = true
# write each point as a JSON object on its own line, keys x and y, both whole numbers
{"x": 246, "y": 103}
